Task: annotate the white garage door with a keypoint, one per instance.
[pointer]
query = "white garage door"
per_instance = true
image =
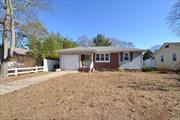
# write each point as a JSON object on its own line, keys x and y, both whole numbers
{"x": 70, "y": 62}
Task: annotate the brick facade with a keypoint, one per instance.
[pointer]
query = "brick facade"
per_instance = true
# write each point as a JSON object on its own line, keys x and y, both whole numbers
{"x": 113, "y": 64}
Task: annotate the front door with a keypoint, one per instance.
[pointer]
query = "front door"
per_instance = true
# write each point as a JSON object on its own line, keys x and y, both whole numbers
{"x": 86, "y": 61}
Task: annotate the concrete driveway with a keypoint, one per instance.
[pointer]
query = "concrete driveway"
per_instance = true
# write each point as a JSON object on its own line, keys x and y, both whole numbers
{"x": 19, "y": 84}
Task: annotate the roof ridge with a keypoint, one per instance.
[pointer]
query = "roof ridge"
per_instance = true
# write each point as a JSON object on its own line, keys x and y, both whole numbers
{"x": 172, "y": 43}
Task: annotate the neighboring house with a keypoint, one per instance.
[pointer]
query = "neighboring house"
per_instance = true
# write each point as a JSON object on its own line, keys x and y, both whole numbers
{"x": 21, "y": 59}
{"x": 100, "y": 58}
{"x": 168, "y": 56}
{"x": 18, "y": 51}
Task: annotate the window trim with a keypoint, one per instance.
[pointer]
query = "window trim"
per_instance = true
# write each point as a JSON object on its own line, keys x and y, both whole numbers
{"x": 102, "y": 61}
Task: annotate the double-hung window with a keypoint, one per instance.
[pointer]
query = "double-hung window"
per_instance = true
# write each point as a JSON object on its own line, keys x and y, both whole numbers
{"x": 97, "y": 57}
{"x": 174, "y": 56}
{"x": 103, "y": 57}
{"x": 126, "y": 56}
{"x": 107, "y": 57}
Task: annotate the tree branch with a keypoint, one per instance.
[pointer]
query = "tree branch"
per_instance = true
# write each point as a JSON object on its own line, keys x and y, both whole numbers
{"x": 22, "y": 7}
{"x": 4, "y": 4}
{"x": 1, "y": 22}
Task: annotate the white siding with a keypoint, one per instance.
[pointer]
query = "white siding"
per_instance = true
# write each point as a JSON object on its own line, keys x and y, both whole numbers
{"x": 136, "y": 63}
{"x": 167, "y": 53}
{"x": 49, "y": 64}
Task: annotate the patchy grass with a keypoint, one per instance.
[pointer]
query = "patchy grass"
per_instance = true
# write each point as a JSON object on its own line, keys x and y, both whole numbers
{"x": 97, "y": 95}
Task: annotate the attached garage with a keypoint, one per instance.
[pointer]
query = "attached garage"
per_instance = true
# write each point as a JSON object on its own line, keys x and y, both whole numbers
{"x": 69, "y": 62}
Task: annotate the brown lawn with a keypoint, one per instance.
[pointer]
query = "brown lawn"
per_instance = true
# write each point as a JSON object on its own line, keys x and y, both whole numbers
{"x": 97, "y": 95}
{"x": 20, "y": 77}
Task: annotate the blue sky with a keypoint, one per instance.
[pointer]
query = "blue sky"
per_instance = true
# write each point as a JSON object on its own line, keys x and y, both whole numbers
{"x": 139, "y": 21}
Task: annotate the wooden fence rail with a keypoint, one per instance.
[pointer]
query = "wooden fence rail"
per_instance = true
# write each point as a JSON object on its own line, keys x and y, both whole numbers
{"x": 17, "y": 71}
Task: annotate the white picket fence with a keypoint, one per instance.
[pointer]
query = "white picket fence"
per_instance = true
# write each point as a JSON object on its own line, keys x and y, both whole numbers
{"x": 17, "y": 71}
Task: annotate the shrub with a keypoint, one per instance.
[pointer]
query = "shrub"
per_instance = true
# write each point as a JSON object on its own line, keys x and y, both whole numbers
{"x": 121, "y": 69}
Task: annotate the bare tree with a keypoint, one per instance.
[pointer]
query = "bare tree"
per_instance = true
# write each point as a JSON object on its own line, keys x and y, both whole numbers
{"x": 24, "y": 9}
{"x": 5, "y": 28}
{"x": 84, "y": 41}
{"x": 16, "y": 11}
{"x": 33, "y": 28}
{"x": 155, "y": 48}
{"x": 24, "y": 32}
{"x": 173, "y": 19}
{"x": 12, "y": 30}
{"x": 120, "y": 43}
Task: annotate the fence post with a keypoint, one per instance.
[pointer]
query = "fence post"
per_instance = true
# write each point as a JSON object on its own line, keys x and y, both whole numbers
{"x": 36, "y": 69}
{"x": 45, "y": 65}
{"x": 16, "y": 71}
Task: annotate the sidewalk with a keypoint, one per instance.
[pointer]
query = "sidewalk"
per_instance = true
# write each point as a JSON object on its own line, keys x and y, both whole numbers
{"x": 16, "y": 85}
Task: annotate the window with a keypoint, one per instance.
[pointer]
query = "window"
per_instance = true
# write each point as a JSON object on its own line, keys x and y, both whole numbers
{"x": 103, "y": 57}
{"x": 167, "y": 46}
{"x": 162, "y": 58}
{"x": 97, "y": 57}
{"x": 174, "y": 57}
{"x": 126, "y": 56}
{"x": 107, "y": 57}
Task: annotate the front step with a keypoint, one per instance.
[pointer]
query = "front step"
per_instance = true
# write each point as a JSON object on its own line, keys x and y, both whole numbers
{"x": 84, "y": 69}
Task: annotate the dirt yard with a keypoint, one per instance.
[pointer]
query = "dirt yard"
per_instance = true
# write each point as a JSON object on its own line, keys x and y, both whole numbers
{"x": 97, "y": 95}
{"x": 20, "y": 77}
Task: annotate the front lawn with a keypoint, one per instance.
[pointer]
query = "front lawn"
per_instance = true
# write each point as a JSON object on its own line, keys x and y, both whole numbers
{"x": 97, "y": 95}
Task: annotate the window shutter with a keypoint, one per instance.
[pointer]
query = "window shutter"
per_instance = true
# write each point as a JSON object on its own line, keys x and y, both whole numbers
{"x": 131, "y": 56}
{"x": 121, "y": 56}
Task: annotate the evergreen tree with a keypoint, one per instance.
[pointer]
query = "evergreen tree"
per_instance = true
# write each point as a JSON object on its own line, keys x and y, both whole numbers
{"x": 101, "y": 40}
{"x": 148, "y": 54}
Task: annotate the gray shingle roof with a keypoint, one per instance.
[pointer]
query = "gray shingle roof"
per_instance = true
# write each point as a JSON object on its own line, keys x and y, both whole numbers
{"x": 171, "y": 43}
{"x": 98, "y": 49}
{"x": 20, "y": 51}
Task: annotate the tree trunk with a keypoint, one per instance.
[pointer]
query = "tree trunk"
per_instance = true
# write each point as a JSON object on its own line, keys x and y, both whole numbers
{"x": 12, "y": 28}
{"x": 3, "y": 70}
{"x": 3, "y": 66}
{"x": 5, "y": 40}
